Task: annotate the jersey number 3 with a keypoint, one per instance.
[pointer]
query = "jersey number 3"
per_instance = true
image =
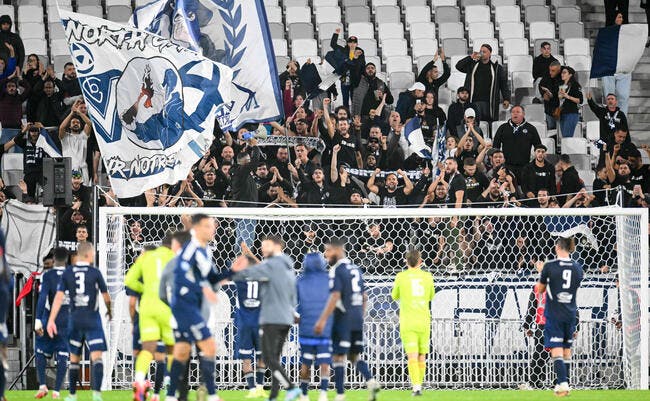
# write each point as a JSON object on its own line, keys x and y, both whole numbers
{"x": 80, "y": 280}
{"x": 566, "y": 276}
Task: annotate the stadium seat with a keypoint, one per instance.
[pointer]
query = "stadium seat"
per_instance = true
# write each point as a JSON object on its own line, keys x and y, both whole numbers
{"x": 36, "y": 46}
{"x": 593, "y": 130}
{"x": 328, "y": 15}
{"x": 30, "y": 14}
{"x": 572, "y": 30}
{"x": 369, "y": 47}
{"x": 317, "y": 4}
{"x": 140, "y": 3}
{"x": 447, "y": 14}
{"x": 302, "y": 60}
{"x": 420, "y": 62}
{"x": 466, "y": 3}
{"x": 357, "y": 14}
{"x": 522, "y": 79}
{"x": 56, "y": 31}
{"x": 424, "y": 30}
{"x": 281, "y": 62}
{"x": 548, "y": 142}
{"x": 294, "y": 3}
{"x": 520, "y": 63}
{"x": 31, "y": 30}
{"x": 326, "y": 29}
{"x": 30, "y": 3}
{"x": 573, "y": 145}
{"x": 399, "y": 63}
{"x": 494, "y": 43}
{"x": 298, "y": 14}
{"x": 354, "y": 3}
{"x": 401, "y": 79}
{"x": 412, "y": 3}
{"x": 542, "y": 30}
{"x": 480, "y": 30}
{"x": 304, "y": 48}
{"x": 563, "y": 3}
{"x": 455, "y": 81}
{"x": 416, "y": 14}
{"x": 515, "y": 47}
{"x": 451, "y": 30}
{"x": 438, "y": 3}
{"x": 581, "y": 161}
{"x": 424, "y": 47}
{"x": 274, "y": 14}
{"x": 477, "y": 14}
{"x": 394, "y": 47}
{"x": 526, "y": 3}
{"x": 118, "y": 13}
{"x": 393, "y": 30}
{"x": 280, "y": 47}
{"x": 511, "y": 30}
{"x": 387, "y": 14}
{"x": 454, "y": 46}
{"x": 277, "y": 30}
{"x": 506, "y": 14}
{"x": 576, "y": 46}
{"x": 588, "y": 176}
{"x": 375, "y": 60}
{"x": 537, "y": 43}
{"x": 500, "y": 3}
{"x": 579, "y": 62}
{"x": 12, "y": 168}
{"x": 362, "y": 30}
{"x": 567, "y": 14}
{"x": 380, "y": 3}
{"x": 496, "y": 125}
{"x": 535, "y": 112}
{"x": 537, "y": 14}
{"x": 94, "y": 3}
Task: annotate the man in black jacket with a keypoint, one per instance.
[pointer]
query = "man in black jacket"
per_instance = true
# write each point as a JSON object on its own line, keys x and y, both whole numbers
{"x": 538, "y": 174}
{"x": 70, "y": 84}
{"x": 516, "y": 138}
{"x": 549, "y": 87}
{"x": 485, "y": 80}
{"x": 541, "y": 62}
{"x": 6, "y": 36}
{"x": 456, "y": 112}
{"x": 369, "y": 92}
{"x": 244, "y": 187}
{"x": 355, "y": 61}
{"x": 611, "y": 116}
{"x": 570, "y": 183}
{"x": 431, "y": 78}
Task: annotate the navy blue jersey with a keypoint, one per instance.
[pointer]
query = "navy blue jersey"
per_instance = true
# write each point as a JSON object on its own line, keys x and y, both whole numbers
{"x": 83, "y": 283}
{"x": 248, "y": 297}
{"x": 562, "y": 278}
{"x": 346, "y": 278}
{"x": 49, "y": 285}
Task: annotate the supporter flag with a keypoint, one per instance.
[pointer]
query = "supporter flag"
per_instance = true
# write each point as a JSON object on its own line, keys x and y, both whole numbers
{"x": 232, "y": 32}
{"x": 48, "y": 145}
{"x": 413, "y": 135}
{"x": 618, "y": 49}
{"x": 153, "y": 103}
{"x": 439, "y": 146}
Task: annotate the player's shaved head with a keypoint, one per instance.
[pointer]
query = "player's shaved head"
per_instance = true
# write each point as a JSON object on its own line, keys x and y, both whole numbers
{"x": 167, "y": 241}
{"x": 60, "y": 256}
{"x": 197, "y": 218}
{"x": 271, "y": 245}
{"x": 413, "y": 258}
{"x": 334, "y": 250}
{"x": 565, "y": 244}
{"x": 86, "y": 252}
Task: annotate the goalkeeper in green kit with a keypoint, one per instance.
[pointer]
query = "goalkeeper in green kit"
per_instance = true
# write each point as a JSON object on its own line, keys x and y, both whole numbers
{"x": 413, "y": 289}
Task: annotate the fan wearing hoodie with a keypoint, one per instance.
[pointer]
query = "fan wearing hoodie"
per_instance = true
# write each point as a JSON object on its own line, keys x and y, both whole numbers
{"x": 6, "y": 36}
{"x": 313, "y": 293}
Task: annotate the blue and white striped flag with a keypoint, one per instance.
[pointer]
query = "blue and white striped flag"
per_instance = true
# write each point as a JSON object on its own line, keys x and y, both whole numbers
{"x": 152, "y": 103}
{"x": 413, "y": 135}
{"x": 48, "y": 145}
{"x": 618, "y": 49}
{"x": 439, "y": 146}
{"x": 233, "y": 32}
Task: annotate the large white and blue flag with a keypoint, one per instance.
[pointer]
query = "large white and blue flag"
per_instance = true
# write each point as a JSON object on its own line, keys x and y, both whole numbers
{"x": 153, "y": 103}
{"x": 232, "y": 32}
{"x": 618, "y": 49}
{"x": 49, "y": 146}
{"x": 415, "y": 139}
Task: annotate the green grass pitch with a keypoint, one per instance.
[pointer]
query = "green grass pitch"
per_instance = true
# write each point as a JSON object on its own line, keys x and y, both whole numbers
{"x": 396, "y": 395}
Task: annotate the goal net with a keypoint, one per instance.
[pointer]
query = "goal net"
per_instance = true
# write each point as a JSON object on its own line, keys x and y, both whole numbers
{"x": 483, "y": 333}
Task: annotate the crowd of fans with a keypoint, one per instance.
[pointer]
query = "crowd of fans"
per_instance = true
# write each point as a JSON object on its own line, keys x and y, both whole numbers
{"x": 356, "y": 154}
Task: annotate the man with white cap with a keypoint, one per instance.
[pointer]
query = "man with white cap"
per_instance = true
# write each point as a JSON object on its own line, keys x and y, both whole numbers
{"x": 470, "y": 125}
{"x": 407, "y": 100}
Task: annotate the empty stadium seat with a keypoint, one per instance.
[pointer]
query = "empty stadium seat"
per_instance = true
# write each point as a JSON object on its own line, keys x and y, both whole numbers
{"x": 593, "y": 130}
{"x": 31, "y": 30}
{"x": 304, "y": 48}
{"x": 423, "y": 30}
{"x": 412, "y": 3}
{"x": 525, "y": 3}
{"x": 466, "y": 3}
{"x": 277, "y": 30}
{"x": 392, "y": 30}
{"x": 328, "y": 15}
{"x": 424, "y": 47}
{"x": 280, "y": 47}
{"x": 324, "y": 3}
{"x": 588, "y": 176}
{"x": 522, "y": 79}
{"x": 455, "y": 81}
{"x": 417, "y": 14}
{"x": 549, "y": 143}
{"x": 36, "y": 46}
{"x": 451, "y": 30}
{"x": 500, "y": 3}
{"x": 294, "y": 3}
{"x": 362, "y": 30}
{"x": 375, "y": 60}
{"x": 326, "y": 29}
{"x": 438, "y": 3}
{"x": 520, "y": 63}
{"x": 567, "y": 14}
{"x": 573, "y": 145}
{"x": 95, "y": 3}
{"x": 400, "y": 79}
{"x": 535, "y": 112}
{"x": 281, "y": 62}
{"x": 515, "y": 47}
{"x": 454, "y": 46}
{"x": 298, "y": 14}
{"x": 399, "y": 63}
{"x": 507, "y": 14}
{"x": 380, "y": 3}
{"x": 394, "y": 47}
{"x": 579, "y": 62}
{"x": 581, "y": 161}
{"x": 477, "y": 14}
{"x": 511, "y": 30}
{"x": 480, "y": 30}
{"x": 274, "y": 14}
{"x": 542, "y": 30}
{"x": 357, "y": 14}
{"x": 387, "y": 14}
{"x": 354, "y": 3}
{"x": 447, "y": 14}
{"x": 572, "y": 30}
{"x": 369, "y": 47}
{"x": 537, "y": 13}
{"x": 576, "y": 46}
{"x": 32, "y": 13}
{"x": 56, "y": 31}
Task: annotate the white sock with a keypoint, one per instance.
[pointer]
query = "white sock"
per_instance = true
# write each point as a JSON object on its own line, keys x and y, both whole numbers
{"x": 140, "y": 377}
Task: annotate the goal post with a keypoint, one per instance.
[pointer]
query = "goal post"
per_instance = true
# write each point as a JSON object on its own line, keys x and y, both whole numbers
{"x": 482, "y": 261}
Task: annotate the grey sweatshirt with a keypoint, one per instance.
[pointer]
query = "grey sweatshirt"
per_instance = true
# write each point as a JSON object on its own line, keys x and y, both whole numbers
{"x": 277, "y": 288}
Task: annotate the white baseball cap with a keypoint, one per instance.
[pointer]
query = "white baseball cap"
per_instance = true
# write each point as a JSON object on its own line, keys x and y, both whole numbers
{"x": 469, "y": 112}
{"x": 417, "y": 86}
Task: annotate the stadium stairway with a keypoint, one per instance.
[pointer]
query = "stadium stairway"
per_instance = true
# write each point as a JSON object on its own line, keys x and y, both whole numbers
{"x": 593, "y": 16}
